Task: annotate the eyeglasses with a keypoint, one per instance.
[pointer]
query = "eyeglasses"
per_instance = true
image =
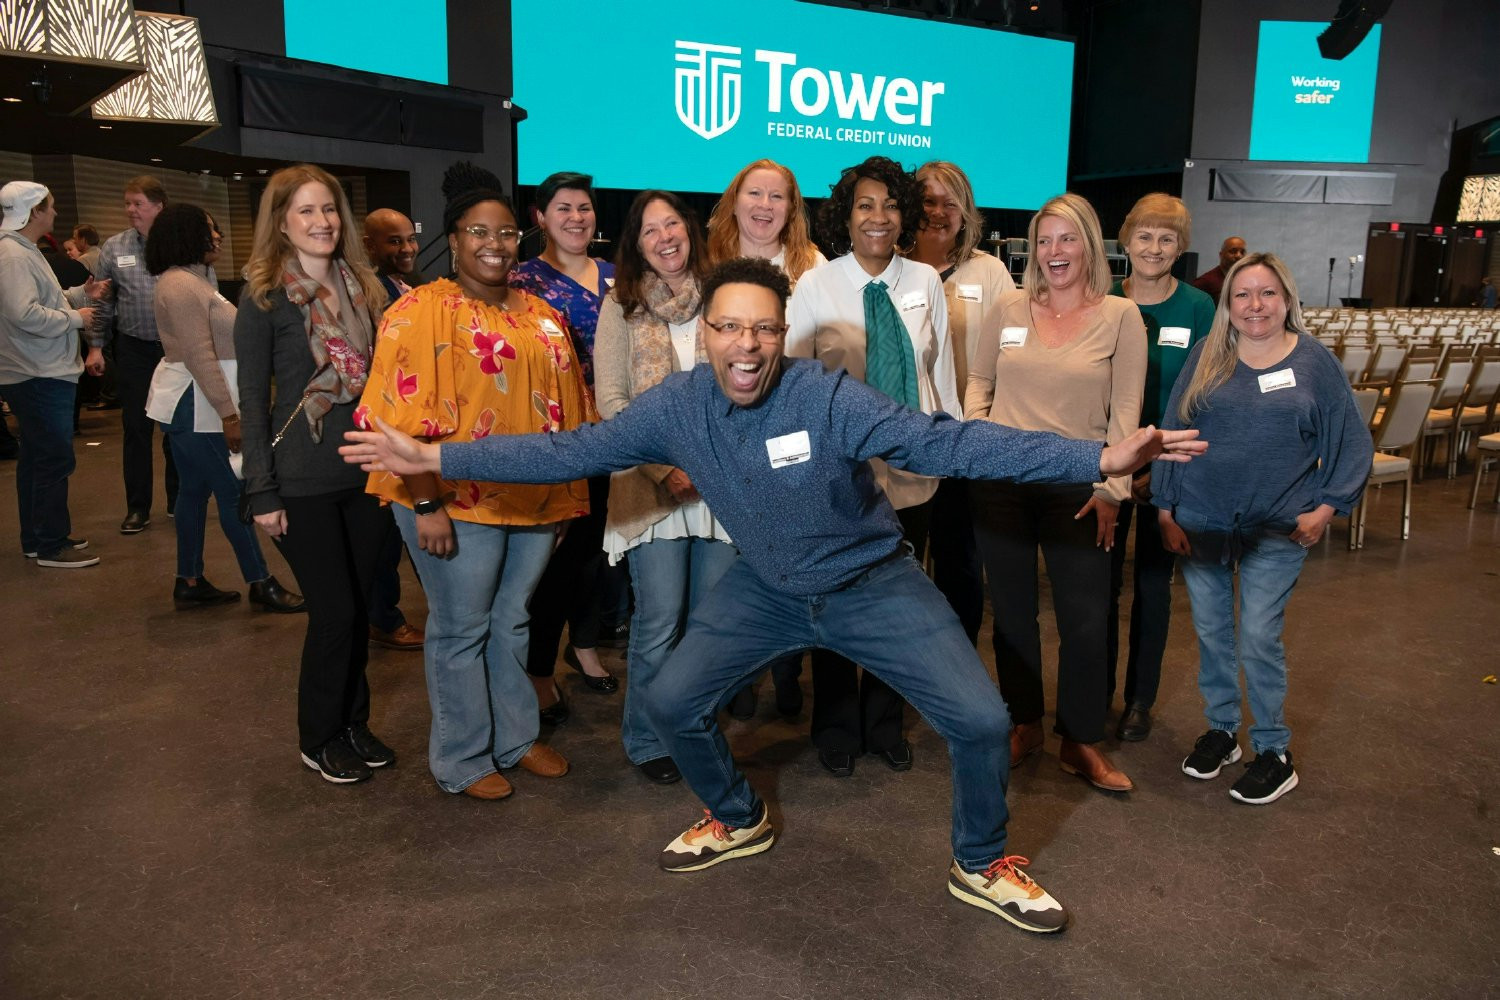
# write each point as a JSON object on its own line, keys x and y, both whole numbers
{"x": 764, "y": 332}
{"x": 483, "y": 234}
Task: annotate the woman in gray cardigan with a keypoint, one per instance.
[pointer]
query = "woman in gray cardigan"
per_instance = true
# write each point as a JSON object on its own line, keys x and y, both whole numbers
{"x": 306, "y": 325}
{"x": 648, "y": 329}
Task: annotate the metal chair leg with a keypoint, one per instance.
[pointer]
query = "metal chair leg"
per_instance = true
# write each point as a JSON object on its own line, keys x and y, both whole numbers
{"x": 1406, "y": 508}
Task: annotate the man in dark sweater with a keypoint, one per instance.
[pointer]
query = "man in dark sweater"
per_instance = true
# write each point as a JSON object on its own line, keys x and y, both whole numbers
{"x": 780, "y": 450}
{"x": 1212, "y": 280}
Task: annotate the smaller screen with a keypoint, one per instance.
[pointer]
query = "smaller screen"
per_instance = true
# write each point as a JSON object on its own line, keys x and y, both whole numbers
{"x": 1307, "y": 108}
{"x": 406, "y": 38}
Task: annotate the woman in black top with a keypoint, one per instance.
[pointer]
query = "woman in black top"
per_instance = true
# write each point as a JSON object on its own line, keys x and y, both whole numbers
{"x": 306, "y": 325}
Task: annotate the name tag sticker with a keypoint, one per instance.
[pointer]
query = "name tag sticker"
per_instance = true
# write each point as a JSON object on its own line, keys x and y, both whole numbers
{"x": 1284, "y": 379}
{"x": 1174, "y": 336}
{"x": 971, "y": 293}
{"x": 126, "y": 261}
{"x": 1013, "y": 336}
{"x": 550, "y": 327}
{"x": 913, "y": 300}
{"x": 789, "y": 449}
{"x": 609, "y": 282}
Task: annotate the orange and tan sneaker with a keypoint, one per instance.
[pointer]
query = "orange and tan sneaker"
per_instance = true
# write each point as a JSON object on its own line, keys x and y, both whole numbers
{"x": 1006, "y": 891}
{"x": 707, "y": 842}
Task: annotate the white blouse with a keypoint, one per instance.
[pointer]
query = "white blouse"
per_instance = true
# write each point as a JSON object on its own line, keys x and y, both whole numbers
{"x": 826, "y": 321}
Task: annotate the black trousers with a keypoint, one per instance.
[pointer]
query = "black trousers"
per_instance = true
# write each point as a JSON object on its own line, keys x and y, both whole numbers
{"x": 135, "y": 363}
{"x": 571, "y": 590}
{"x": 384, "y": 603}
{"x": 332, "y": 542}
{"x": 853, "y": 710}
{"x": 1011, "y": 522}
{"x": 1150, "y": 607}
{"x": 957, "y": 569}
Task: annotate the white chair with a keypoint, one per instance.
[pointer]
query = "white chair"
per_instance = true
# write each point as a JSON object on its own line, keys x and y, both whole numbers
{"x": 1399, "y": 429}
{"x": 1488, "y": 451}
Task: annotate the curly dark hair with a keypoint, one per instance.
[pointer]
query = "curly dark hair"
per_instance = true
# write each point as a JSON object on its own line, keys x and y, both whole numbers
{"x": 465, "y": 185}
{"x": 630, "y": 263}
{"x": 179, "y": 237}
{"x": 567, "y": 180}
{"x": 833, "y": 216}
{"x": 747, "y": 271}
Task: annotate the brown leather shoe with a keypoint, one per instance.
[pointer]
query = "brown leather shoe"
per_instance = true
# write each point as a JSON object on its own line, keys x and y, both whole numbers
{"x": 544, "y": 762}
{"x": 403, "y": 636}
{"x": 1025, "y": 739}
{"x": 1089, "y": 763}
{"x": 489, "y": 787}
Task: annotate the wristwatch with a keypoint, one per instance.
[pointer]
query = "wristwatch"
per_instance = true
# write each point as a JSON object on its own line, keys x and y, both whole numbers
{"x": 427, "y": 506}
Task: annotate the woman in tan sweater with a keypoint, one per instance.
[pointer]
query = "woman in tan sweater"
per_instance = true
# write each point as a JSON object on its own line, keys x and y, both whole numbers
{"x": 196, "y": 405}
{"x": 1062, "y": 355}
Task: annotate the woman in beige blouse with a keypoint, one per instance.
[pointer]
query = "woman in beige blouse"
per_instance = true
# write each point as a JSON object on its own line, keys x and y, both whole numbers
{"x": 1061, "y": 355}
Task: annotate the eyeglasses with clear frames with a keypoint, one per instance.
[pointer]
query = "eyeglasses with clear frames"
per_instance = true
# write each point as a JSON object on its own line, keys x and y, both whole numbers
{"x": 764, "y": 332}
{"x": 483, "y": 233}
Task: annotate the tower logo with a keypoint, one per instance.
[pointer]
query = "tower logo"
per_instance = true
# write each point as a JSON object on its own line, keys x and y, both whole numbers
{"x": 708, "y": 87}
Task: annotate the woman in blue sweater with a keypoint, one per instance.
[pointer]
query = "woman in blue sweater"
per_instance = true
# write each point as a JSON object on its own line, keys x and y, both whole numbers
{"x": 1289, "y": 451}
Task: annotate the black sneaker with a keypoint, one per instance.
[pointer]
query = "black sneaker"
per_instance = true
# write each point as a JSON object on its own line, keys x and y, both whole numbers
{"x": 368, "y": 746}
{"x": 661, "y": 770}
{"x": 1213, "y": 750}
{"x": 1267, "y": 778}
{"x": 614, "y": 636}
{"x": 742, "y": 705}
{"x": 337, "y": 762}
{"x": 67, "y": 558}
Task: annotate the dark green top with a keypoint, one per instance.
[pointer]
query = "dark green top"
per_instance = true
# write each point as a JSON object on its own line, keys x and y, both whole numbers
{"x": 1186, "y": 308}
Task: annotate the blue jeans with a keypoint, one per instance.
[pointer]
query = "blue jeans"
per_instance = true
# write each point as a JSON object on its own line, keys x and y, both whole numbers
{"x": 203, "y": 468}
{"x": 671, "y": 577}
{"x": 43, "y": 409}
{"x": 1268, "y": 569}
{"x": 894, "y": 623}
{"x": 484, "y": 710}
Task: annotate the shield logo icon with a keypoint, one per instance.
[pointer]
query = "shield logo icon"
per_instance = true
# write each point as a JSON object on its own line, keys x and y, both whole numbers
{"x": 708, "y": 87}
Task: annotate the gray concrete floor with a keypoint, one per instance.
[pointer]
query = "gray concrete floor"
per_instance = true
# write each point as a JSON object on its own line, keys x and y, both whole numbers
{"x": 160, "y": 838}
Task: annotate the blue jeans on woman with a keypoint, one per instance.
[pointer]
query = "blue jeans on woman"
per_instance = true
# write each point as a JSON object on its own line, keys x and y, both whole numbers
{"x": 484, "y": 710}
{"x": 202, "y": 460}
{"x": 671, "y": 576}
{"x": 43, "y": 408}
{"x": 893, "y": 622}
{"x": 1269, "y": 564}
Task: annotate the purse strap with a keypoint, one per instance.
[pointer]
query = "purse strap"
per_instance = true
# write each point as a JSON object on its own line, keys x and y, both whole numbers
{"x": 284, "y": 427}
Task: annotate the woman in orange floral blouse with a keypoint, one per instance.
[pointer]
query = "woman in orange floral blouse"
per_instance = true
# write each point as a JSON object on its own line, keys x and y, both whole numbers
{"x": 458, "y": 360}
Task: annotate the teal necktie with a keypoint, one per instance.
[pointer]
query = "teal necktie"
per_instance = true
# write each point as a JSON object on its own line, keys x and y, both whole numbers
{"x": 890, "y": 362}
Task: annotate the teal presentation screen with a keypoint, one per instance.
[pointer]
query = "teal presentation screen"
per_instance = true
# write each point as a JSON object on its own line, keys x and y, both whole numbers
{"x": 406, "y": 38}
{"x": 680, "y": 95}
{"x": 1308, "y": 108}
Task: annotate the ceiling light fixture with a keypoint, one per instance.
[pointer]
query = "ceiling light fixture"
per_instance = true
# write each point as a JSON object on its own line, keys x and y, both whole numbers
{"x": 11, "y": 100}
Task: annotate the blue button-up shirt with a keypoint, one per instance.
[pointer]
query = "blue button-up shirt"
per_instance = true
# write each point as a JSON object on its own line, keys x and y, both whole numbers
{"x": 790, "y": 477}
{"x": 132, "y": 307}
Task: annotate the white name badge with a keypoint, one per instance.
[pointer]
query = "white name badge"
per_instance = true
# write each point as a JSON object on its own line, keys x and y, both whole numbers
{"x": 913, "y": 300}
{"x": 1174, "y": 336}
{"x": 1013, "y": 336}
{"x": 1284, "y": 379}
{"x": 789, "y": 449}
{"x": 126, "y": 261}
{"x": 609, "y": 282}
{"x": 971, "y": 293}
{"x": 550, "y": 327}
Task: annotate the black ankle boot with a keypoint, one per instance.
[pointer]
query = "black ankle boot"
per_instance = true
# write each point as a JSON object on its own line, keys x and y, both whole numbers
{"x": 200, "y": 595}
{"x": 273, "y": 597}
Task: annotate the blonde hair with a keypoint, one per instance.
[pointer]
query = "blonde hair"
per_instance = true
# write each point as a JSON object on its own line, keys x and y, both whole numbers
{"x": 957, "y": 182}
{"x": 1221, "y": 346}
{"x": 1159, "y": 211}
{"x": 270, "y": 249}
{"x": 1075, "y": 210}
{"x": 724, "y": 229}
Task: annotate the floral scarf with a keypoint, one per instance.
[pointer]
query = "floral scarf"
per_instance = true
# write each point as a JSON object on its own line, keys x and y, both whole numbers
{"x": 651, "y": 358}
{"x": 341, "y": 352}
